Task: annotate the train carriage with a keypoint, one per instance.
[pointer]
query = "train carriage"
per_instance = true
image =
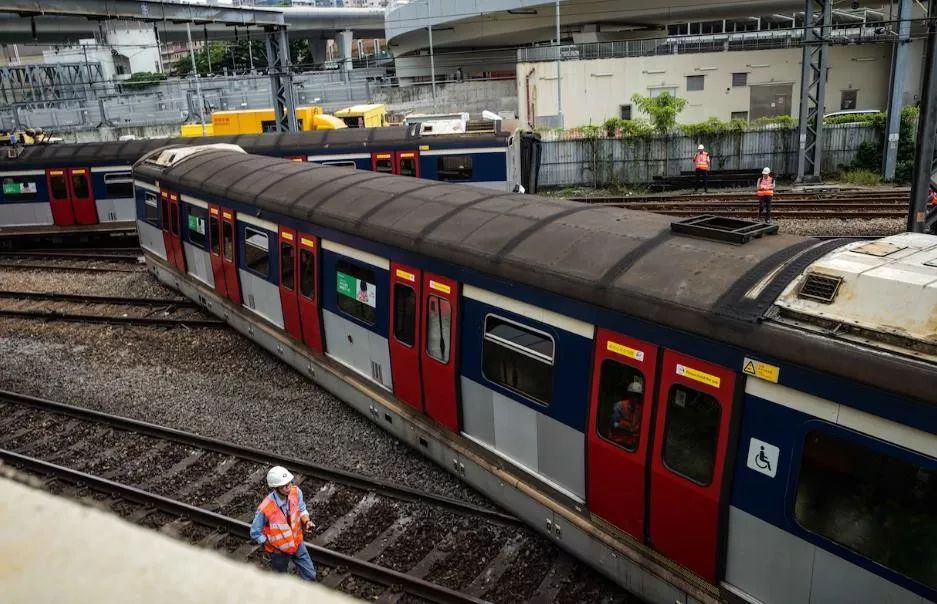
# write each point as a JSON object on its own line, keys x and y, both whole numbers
{"x": 699, "y": 421}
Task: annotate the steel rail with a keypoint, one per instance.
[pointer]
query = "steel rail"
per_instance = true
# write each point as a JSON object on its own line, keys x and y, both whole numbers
{"x": 54, "y": 315}
{"x": 358, "y": 481}
{"x": 328, "y": 557}
{"x": 128, "y": 301}
{"x": 62, "y": 267}
{"x": 70, "y": 255}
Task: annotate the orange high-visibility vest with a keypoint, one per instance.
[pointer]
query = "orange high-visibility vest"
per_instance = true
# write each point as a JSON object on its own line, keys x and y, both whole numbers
{"x": 701, "y": 161}
{"x": 282, "y": 535}
{"x": 765, "y": 186}
{"x": 932, "y": 198}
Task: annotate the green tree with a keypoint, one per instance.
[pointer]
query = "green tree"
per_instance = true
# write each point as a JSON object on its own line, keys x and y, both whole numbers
{"x": 235, "y": 57}
{"x": 662, "y": 110}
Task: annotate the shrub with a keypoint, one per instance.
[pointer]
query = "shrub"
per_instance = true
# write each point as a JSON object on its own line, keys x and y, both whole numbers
{"x": 143, "y": 79}
{"x": 874, "y": 119}
{"x": 661, "y": 109}
{"x": 866, "y": 178}
{"x": 783, "y": 122}
{"x": 710, "y": 127}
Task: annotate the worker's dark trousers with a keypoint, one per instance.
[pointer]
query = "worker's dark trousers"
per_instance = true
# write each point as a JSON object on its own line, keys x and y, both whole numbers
{"x": 764, "y": 208}
{"x": 702, "y": 176}
{"x": 280, "y": 563}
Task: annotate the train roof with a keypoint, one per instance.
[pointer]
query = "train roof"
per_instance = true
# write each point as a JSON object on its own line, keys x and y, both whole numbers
{"x": 343, "y": 139}
{"x": 624, "y": 260}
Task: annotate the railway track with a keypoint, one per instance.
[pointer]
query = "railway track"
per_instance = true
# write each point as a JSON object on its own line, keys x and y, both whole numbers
{"x": 374, "y": 538}
{"x": 831, "y": 197}
{"x": 109, "y": 255}
{"x": 113, "y": 310}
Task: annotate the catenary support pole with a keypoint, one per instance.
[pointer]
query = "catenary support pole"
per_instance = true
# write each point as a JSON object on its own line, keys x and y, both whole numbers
{"x": 899, "y": 62}
{"x": 198, "y": 87}
{"x": 918, "y": 219}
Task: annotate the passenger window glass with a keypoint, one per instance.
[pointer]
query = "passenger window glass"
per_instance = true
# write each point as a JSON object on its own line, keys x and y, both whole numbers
{"x": 357, "y": 291}
{"x": 256, "y": 251}
{"x": 307, "y": 273}
{"x": 384, "y": 165}
{"x": 80, "y": 185}
{"x": 690, "y": 433}
{"x": 59, "y": 189}
{"x": 407, "y": 166}
{"x": 620, "y": 404}
{"x": 174, "y": 218}
{"x": 19, "y": 188}
{"x": 213, "y": 225}
{"x": 197, "y": 223}
{"x": 118, "y": 184}
{"x": 454, "y": 167}
{"x": 438, "y": 321}
{"x": 880, "y": 506}
{"x": 287, "y": 269}
{"x": 227, "y": 232}
{"x": 151, "y": 212}
{"x": 164, "y": 212}
{"x": 404, "y": 313}
{"x": 518, "y": 358}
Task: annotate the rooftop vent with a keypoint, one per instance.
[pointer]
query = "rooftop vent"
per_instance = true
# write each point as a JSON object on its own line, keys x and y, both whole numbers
{"x": 820, "y": 287}
{"x": 730, "y": 230}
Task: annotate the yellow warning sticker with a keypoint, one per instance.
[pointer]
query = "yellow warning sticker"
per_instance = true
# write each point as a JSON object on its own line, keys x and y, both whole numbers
{"x": 440, "y": 287}
{"x": 761, "y": 370}
{"x": 405, "y": 275}
{"x": 625, "y": 351}
{"x": 698, "y": 376}
{"x": 307, "y": 242}
{"x": 287, "y": 236}
{"x": 424, "y": 147}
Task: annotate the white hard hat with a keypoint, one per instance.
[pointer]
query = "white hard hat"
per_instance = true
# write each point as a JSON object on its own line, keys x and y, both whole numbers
{"x": 636, "y": 387}
{"x": 701, "y": 147}
{"x": 766, "y": 171}
{"x": 278, "y": 476}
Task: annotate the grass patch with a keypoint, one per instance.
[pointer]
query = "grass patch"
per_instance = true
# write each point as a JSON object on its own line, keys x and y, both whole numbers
{"x": 865, "y": 178}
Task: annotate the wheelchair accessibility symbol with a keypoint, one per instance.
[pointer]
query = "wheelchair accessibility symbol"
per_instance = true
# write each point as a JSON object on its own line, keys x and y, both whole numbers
{"x": 763, "y": 457}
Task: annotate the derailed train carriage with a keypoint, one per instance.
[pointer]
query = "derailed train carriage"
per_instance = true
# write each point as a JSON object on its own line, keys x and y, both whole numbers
{"x": 782, "y": 394}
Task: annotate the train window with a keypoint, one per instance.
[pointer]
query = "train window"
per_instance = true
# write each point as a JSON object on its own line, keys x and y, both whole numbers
{"x": 307, "y": 273}
{"x": 58, "y": 188}
{"x": 878, "y": 505}
{"x": 19, "y": 188}
{"x": 174, "y": 218}
{"x": 256, "y": 251}
{"x": 80, "y": 185}
{"x": 404, "y": 313}
{"x": 690, "y": 433}
{"x": 287, "y": 266}
{"x": 518, "y": 358}
{"x": 197, "y": 222}
{"x": 340, "y": 164}
{"x": 164, "y": 212}
{"x": 621, "y": 403}
{"x": 214, "y": 231}
{"x": 118, "y": 184}
{"x": 384, "y": 164}
{"x": 438, "y": 321}
{"x": 151, "y": 209}
{"x": 407, "y": 166}
{"x": 227, "y": 235}
{"x": 357, "y": 292}
{"x": 454, "y": 167}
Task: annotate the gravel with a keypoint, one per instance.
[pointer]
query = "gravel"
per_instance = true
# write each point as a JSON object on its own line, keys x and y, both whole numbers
{"x": 841, "y": 226}
{"x": 102, "y": 284}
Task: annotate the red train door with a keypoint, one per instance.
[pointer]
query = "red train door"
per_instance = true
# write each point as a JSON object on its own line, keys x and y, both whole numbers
{"x": 383, "y": 162}
{"x": 229, "y": 256}
{"x": 407, "y": 163}
{"x": 405, "y": 334}
{"x": 289, "y": 303}
{"x": 308, "y": 292}
{"x": 82, "y": 196}
{"x": 217, "y": 266}
{"x": 619, "y": 430}
{"x": 59, "y": 198}
{"x": 166, "y": 221}
{"x": 175, "y": 233}
{"x": 690, "y": 441}
{"x": 438, "y": 356}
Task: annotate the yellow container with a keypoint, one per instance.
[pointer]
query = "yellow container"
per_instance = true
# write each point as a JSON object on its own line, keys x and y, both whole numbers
{"x": 363, "y": 116}
{"x": 196, "y": 130}
{"x": 258, "y": 121}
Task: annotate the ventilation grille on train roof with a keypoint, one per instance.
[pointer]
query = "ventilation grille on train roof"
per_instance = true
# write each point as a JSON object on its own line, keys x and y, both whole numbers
{"x": 820, "y": 287}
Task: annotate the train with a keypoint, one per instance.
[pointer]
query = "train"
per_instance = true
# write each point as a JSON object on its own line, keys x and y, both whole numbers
{"x": 86, "y": 189}
{"x": 701, "y": 416}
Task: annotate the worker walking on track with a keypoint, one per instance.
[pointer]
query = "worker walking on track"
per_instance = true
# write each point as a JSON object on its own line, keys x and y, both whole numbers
{"x": 278, "y": 525}
{"x": 765, "y": 194}
{"x": 702, "y": 163}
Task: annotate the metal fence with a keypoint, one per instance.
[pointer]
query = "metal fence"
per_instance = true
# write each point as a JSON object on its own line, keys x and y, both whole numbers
{"x": 607, "y": 161}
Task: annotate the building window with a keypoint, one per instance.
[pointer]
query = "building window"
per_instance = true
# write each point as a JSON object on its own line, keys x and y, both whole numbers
{"x": 740, "y": 115}
{"x": 739, "y": 79}
{"x": 694, "y": 83}
{"x": 691, "y": 433}
{"x": 256, "y": 251}
{"x": 848, "y": 100}
{"x": 454, "y": 167}
{"x": 438, "y": 322}
{"x": 307, "y": 273}
{"x": 875, "y": 504}
{"x": 621, "y": 402}
{"x": 357, "y": 292}
{"x": 287, "y": 266}
{"x": 118, "y": 184}
{"x": 151, "y": 209}
{"x": 656, "y": 92}
{"x": 624, "y": 112}
{"x": 404, "y": 314}
{"x": 19, "y": 188}
{"x": 197, "y": 222}
{"x": 518, "y": 358}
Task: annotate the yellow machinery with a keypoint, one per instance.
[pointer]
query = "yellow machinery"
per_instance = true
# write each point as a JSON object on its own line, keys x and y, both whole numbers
{"x": 258, "y": 121}
{"x": 196, "y": 129}
{"x": 363, "y": 116}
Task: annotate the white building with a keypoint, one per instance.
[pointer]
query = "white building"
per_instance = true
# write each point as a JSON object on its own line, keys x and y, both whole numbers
{"x": 126, "y": 48}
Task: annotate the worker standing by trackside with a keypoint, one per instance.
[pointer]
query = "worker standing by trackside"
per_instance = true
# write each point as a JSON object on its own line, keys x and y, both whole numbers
{"x": 702, "y": 163}
{"x": 765, "y": 192}
{"x": 278, "y": 525}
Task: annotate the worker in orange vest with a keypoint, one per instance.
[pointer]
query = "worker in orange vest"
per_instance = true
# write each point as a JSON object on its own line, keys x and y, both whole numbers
{"x": 765, "y": 194}
{"x": 279, "y": 522}
{"x": 932, "y": 197}
{"x": 701, "y": 163}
